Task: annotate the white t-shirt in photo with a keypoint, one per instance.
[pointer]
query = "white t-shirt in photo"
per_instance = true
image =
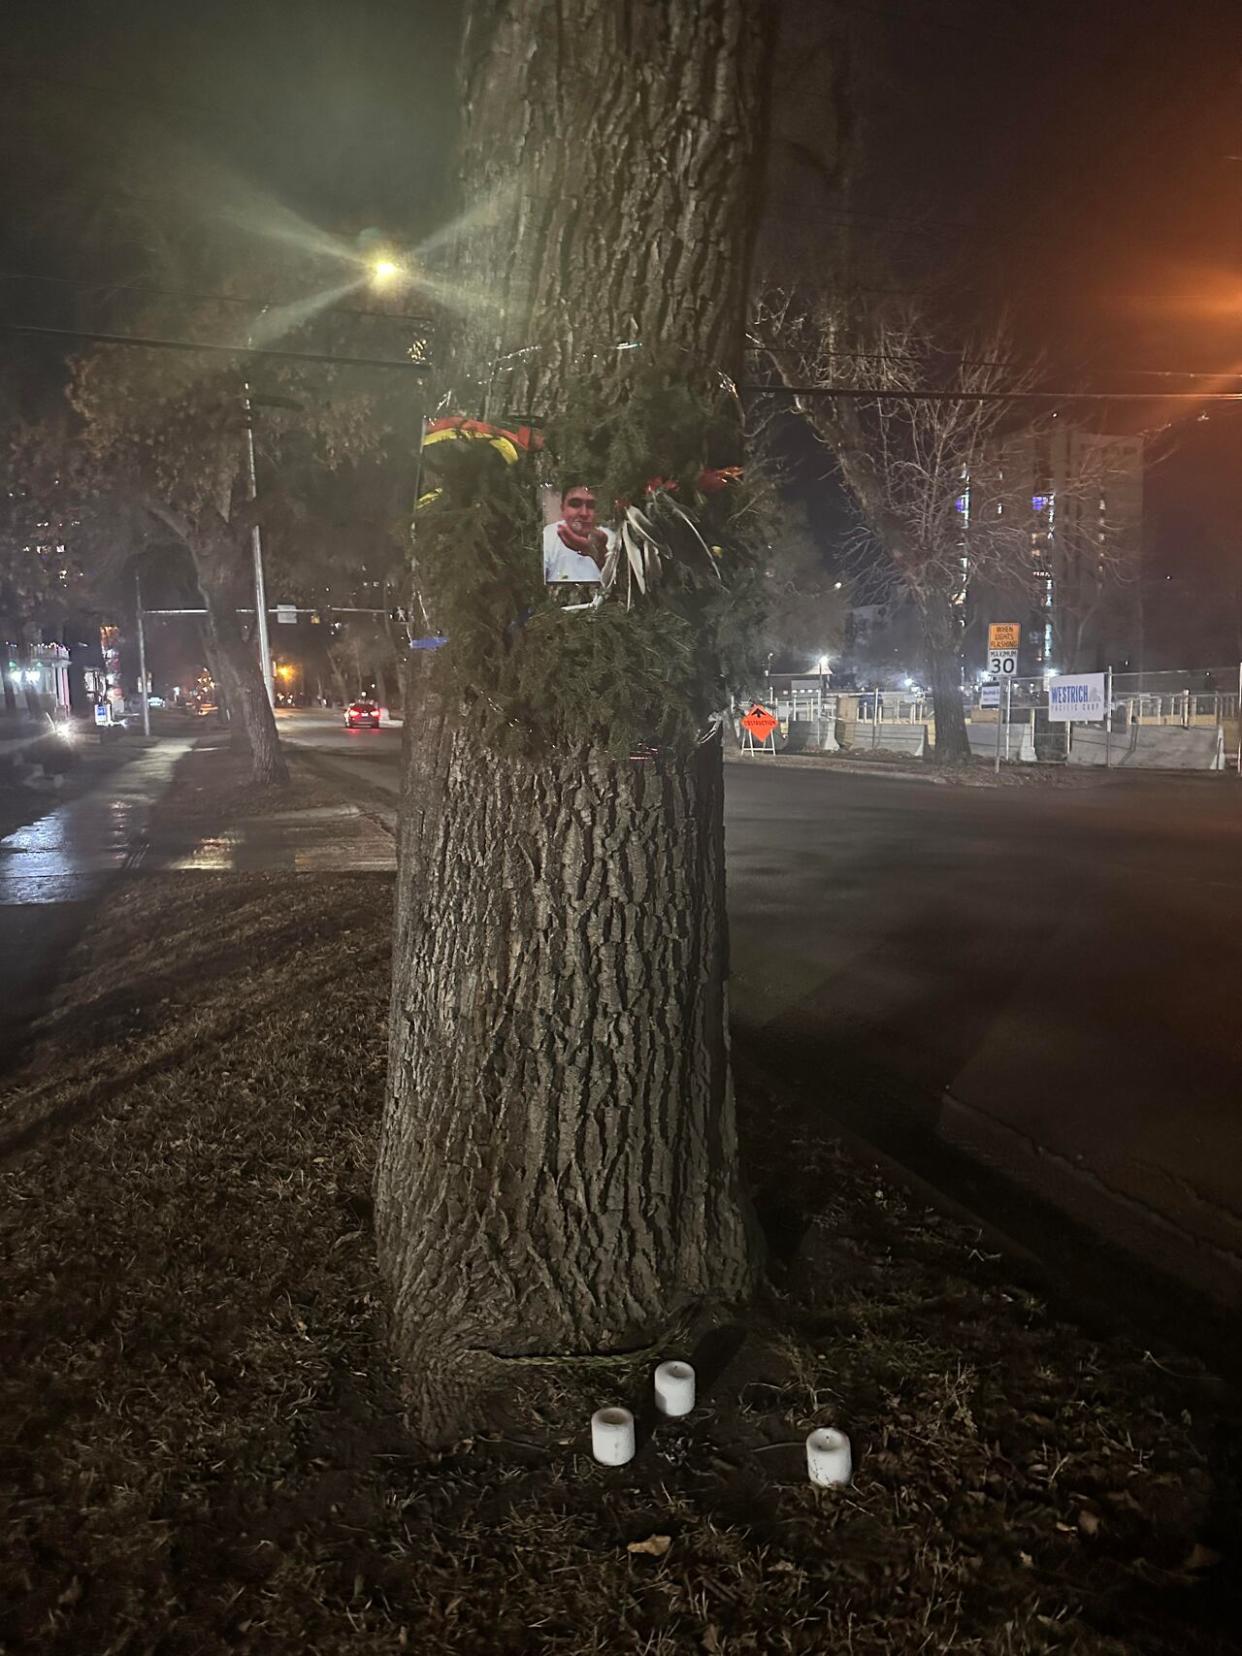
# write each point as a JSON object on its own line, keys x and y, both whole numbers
{"x": 562, "y": 563}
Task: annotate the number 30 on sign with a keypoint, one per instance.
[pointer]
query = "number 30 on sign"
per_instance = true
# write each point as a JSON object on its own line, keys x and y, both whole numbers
{"x": 1004, "y": 642}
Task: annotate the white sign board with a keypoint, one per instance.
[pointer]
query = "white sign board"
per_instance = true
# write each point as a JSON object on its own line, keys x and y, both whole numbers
{"x": 287, "y": 615}
{"x": 1002, "y": 664}
{"x": 989, "y": 695}
{"x": 1079, "y": 698}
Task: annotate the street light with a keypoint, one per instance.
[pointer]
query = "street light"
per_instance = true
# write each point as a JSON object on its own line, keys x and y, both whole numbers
{"x": 384, "y": 272}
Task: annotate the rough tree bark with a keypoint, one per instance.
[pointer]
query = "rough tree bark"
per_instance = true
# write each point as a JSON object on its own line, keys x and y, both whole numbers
{"x": 558, "y": 1171}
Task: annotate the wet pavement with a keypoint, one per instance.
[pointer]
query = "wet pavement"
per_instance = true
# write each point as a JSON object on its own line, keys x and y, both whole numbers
{"x": 329, "y": 839}
{"x": 70, "y": 851}
{"x": 54, "y": 870}
{"x": 66, "y": 854}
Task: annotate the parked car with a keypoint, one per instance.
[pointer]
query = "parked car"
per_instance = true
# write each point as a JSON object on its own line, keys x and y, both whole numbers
{"x": 363, "y": 712}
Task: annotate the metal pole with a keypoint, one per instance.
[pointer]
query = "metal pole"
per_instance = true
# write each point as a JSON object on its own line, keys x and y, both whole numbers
{"x": 1108, "y": 720}
{"x": 1240, "y": 718}
{"x": 256, "y": 541}
{"x": 1009, "y": 715}
{"x": 996, "y": 766}
{"x": 142, "y": 658}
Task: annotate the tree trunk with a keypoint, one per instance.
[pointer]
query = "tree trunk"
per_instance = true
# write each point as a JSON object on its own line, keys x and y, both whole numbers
{"x": 558, "y": 1171}
{"x": 558, "y": 1166}
{"x": 618, "y": 147}
{"x": 381, "y": 684}
{"x": 338, "y": 675}
{"x": 943, "y": 653}
{"x": 216, "y": 567}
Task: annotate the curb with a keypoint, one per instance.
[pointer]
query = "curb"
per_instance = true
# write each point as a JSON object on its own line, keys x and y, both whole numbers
{"x": 840, "y": 767}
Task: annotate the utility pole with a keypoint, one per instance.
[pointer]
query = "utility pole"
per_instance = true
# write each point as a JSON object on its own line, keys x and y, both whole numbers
{"x": 142, "y": 658}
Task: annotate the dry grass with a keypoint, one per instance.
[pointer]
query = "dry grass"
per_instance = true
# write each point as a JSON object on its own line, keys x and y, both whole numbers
{"x": 204, "y": 1451}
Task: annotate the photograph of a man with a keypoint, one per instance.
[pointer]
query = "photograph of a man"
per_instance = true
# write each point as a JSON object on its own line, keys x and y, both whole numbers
{"x": 574, "y": 543}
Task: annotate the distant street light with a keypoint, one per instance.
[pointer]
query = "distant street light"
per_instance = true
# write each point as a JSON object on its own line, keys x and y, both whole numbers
{"x": 384, "y": 272}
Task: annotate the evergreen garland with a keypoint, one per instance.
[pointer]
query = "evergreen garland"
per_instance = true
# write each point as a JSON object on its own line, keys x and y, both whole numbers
{"x": 538, "y": 678}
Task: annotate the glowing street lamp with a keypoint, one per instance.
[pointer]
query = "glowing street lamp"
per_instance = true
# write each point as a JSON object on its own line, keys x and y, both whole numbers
{"x": 384, "y": 272}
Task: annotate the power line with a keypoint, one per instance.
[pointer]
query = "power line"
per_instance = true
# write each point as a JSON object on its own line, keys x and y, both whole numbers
{"x": 195, "y": 346}
{"x": 964, "y": 361}
{"x": 877, "y": 393}
{"x": 110, "y": 289}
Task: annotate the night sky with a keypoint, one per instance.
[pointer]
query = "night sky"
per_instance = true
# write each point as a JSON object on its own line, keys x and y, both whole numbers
{"x": 1067, "y": 161}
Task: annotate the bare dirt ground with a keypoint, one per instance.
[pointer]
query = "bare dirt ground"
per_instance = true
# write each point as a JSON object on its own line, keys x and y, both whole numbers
{"x": 203, "y": 1444}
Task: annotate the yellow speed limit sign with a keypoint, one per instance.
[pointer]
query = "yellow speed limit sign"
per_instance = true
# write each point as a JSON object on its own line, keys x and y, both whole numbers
{"x": 1004, "y": 640}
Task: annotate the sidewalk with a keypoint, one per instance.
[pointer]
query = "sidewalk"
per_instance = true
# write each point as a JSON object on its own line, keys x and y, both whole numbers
{"x": 55, "y": 866}
{"x": 100, "y": 828}
{"x": 55, "y": 869}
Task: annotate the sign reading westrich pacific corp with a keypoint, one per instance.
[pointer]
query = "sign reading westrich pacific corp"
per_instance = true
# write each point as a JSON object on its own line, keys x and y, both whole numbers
{"x": 1076, "y": 698}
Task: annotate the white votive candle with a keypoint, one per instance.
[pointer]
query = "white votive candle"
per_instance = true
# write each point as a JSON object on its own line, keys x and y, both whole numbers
{"x": 828, "y": 1458}
{"x": 674, "y": 1388}
{"x": 612, "y": 1436}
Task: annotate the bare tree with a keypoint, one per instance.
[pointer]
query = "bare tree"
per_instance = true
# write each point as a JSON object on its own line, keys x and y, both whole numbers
{"x": 915, "y": 460}
{"x": 959, "y": 494}
{"x": 806, "y": 607}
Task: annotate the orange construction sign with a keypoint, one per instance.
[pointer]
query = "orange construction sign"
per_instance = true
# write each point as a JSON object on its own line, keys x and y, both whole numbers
{"x": 759, "y": 722}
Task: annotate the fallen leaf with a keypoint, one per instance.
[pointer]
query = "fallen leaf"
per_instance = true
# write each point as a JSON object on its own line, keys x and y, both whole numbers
{"x": 1026, "y": 1561}
{"x": 783, "y": 1565}
{"x": 655, "y": 1545}
{"x": 712, "y": 1642}
{"x": 1088, "y": 1522}
{"x": 1201, "y": 1558}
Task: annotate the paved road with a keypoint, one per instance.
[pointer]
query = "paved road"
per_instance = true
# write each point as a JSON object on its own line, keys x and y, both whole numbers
{"x": 1031, "y": 994}
{"x": 1025, "y": 993}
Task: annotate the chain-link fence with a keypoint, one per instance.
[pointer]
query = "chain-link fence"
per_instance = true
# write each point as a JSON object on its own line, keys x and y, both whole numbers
{"x": 1169, "y": 720}
{"x": 1172, "y": 720}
